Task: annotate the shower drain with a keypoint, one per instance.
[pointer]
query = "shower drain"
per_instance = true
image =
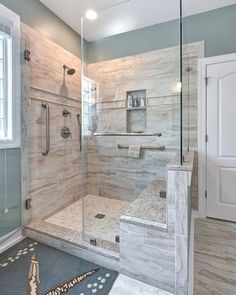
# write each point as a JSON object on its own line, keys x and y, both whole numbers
{"x": 100, "y": 216}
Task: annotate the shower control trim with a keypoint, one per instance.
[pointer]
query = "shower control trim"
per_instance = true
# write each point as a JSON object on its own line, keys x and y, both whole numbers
{"x": 65, "y": 132}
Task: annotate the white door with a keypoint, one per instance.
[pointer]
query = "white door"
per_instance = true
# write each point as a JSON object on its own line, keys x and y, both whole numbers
{"x": 221, "y": 145}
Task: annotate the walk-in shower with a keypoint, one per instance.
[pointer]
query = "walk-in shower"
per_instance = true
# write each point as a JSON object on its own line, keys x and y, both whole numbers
{"x": 98, "y": 151}
{"x": 111, "y": 146}
{"x": 113, "y": 126}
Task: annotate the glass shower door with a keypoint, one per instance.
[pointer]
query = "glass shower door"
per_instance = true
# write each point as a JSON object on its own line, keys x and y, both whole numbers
{"x": 25, "y": 131}
{"x": 10, "y": 190}
{"x": 131, "y": 121}
{"x": 10, "y": 151}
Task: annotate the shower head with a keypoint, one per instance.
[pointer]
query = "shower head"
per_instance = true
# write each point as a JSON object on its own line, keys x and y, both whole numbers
{"x": 70, "y": 71}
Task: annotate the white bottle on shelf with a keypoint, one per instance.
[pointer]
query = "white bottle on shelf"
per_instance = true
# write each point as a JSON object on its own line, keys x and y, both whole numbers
{"x": 142, "y": 102}
{"x": 130, "y": 101}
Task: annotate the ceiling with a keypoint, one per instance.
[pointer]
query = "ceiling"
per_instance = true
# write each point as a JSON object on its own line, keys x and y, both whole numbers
{"x": 119, "y": 16}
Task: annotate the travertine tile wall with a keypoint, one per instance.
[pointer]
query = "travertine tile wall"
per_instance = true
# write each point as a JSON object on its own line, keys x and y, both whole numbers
{"x": 148, "y": 255}
{"x": 55, "y": 180}
{"x": 111, "y": 172}
{"x": 147, "y": 251}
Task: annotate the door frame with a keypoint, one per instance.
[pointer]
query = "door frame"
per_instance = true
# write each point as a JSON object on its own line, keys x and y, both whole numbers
{"x": 203, "y": 80}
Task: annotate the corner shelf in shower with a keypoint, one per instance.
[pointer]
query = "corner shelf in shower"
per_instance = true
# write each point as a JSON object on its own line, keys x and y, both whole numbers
{"x": 136, "y": 111}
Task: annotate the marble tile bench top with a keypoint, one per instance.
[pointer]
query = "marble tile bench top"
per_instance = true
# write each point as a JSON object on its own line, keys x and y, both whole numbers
{"x": 148, "y": 210}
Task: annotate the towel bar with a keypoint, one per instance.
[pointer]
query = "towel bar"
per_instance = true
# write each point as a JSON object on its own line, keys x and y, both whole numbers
{"x": 127, "y": 134}
{"x": 159, "y": 148}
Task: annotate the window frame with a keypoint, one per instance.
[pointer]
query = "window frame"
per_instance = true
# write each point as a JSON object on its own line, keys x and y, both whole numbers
{"x": 12, "y": 20}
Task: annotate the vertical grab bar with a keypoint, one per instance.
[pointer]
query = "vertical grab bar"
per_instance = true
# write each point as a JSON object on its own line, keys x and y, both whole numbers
{"x": 47, "y": 149}
{"x": 80, "y": 132}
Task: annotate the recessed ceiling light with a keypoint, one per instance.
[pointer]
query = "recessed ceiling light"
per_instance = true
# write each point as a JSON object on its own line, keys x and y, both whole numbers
{"x": 91, "y": 14}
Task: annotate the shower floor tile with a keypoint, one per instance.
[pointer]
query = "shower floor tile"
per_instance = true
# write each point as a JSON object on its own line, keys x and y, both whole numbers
{"x": 104, "y": 229}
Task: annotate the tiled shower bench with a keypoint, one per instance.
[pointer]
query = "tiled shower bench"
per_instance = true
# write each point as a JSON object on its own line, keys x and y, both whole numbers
{"x": 154, "y": 232}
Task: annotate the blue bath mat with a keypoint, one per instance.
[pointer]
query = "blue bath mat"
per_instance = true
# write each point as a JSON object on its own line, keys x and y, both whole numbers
{"x": 35, "y": 269}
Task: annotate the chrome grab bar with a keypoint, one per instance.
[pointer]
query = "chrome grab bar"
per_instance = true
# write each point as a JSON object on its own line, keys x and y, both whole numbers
{"x": 47, "y": 149}
{"x": 161, "y": 148}
{"x": 80, "y": 132}
{"x": 128, "y": 134}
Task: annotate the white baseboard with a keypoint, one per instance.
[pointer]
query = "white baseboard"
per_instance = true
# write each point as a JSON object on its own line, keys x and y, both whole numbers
{"x": 11, "y": 239}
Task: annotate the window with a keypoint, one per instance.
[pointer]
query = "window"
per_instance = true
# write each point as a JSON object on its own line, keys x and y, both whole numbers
{"x": 9, "y": 79}
{"x": 5, "y": 89}
{"x": 89, "y": 106}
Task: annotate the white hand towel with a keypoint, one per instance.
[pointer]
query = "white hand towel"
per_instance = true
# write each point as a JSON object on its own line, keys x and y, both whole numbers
{"x": 134, "y": 151}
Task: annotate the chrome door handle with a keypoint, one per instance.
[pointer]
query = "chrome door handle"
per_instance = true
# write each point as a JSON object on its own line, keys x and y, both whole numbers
{"x": 47, "y": 149}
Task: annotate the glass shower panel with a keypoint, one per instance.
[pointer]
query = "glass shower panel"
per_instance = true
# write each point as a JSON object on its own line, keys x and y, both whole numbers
{"x": 10, "y": 152}
{"x": 193, "y": 48}
{"x": 10, "y": 184}
{"x": 205, "y": 34}
{"x": 130, "y": 117}
{"x": 25, "y": 130}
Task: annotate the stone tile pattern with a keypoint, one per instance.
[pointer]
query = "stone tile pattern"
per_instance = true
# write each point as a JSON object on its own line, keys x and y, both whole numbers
{"x": 158, "y": 72}
{"x": 112, "y": 173}
{"x": 180, "y": 191}
{"x": 148, "y": 255}
{"x": 159, "y": 256}
{"x": 149, "y": 206}
{"x": 55, "y": 180}
{"x": 105, "y": 229}
{"x": 214, "y": 257}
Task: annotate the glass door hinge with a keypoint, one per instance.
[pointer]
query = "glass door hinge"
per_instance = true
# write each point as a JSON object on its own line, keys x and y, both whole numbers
{"x": 27, "y": 54}
{"x": 206, "y": 138}
{"x": 206, "y": 194}
{"x": 28, "y": 204}
{"x": 206, "y": 80}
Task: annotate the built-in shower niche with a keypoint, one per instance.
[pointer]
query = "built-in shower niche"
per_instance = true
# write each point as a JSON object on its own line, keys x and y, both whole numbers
{"x": 136, "y": 117}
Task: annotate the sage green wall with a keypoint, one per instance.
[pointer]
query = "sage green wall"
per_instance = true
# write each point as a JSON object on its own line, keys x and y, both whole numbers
{"x": 138, "y": 41}
{"x": 40, "y": 18}
{"x": 217, "y": 27}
